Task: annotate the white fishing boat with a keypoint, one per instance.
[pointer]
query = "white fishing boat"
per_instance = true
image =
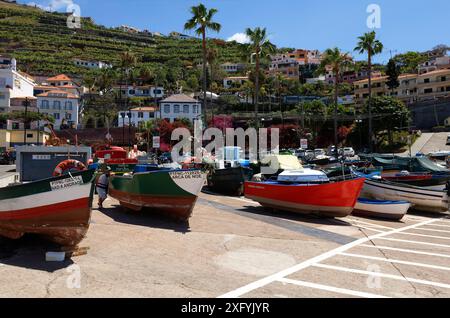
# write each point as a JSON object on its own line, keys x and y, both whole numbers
{"x": 393, "y": 210}
{"x": 421, "y": 199}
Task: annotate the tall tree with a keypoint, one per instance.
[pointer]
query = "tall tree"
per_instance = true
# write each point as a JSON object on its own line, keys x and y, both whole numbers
{"x": 259, "y": 46}
{"x": 368, "y": 43}
{"x": 337, "y": 61}
{"x": 202, "y": 21}
{"x": 393, "y": 72}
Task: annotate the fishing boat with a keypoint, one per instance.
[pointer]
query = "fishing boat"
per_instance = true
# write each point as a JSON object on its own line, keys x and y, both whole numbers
{"x": 315, "y": 194}
{"x": 228, "y": 173}
{"x": 419, "y": 179}
{"x": 173, "y": 192}
{"x": 392, "y": 210}
{"x": 116, "y": 158}
{"x": 58, "y": 208}
{"x": 421, "y": 199}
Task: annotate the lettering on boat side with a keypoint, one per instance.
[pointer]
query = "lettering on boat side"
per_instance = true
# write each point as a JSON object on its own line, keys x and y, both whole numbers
{"x": 256, "y": 187}
{"x": 66, "y": 183}
{"x": 248, "y": 308}
{"x": 186, "y": 175}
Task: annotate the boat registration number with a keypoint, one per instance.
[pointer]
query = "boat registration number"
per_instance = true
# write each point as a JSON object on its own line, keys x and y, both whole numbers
{"x": 66, "y": 183}
{"x": 186, "y": 175}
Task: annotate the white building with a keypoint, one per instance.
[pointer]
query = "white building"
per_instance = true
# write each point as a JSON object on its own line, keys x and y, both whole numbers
{"x": 14, "y": 85}
{"x": 142, "y": 91}
{"x": 232, "y": 67}
{"x": 180, "y": 106}
{"x": 136, "y": 116}
{"x": 437, "y": 63}
{"x": 231, "y": 81}
{"x": 62, "y": 105}
{"x": 173, "y": 108}
{"x": 91, "y": 64}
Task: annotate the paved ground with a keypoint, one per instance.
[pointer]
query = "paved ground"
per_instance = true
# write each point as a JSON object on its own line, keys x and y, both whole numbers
{"x": 4, "y": 169}
{"x": 436, "y": 143}
{"x": 232, "y": 247}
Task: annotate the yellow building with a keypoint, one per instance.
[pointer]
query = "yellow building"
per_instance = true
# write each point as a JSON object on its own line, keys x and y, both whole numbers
{"x": 12, "y": 138}
{"x": 413, "y": 87}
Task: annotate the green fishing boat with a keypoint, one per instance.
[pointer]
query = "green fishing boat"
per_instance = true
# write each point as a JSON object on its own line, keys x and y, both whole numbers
{"x": 173, "y": 192}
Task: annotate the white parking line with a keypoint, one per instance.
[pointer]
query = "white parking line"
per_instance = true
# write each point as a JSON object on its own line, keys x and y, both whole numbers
{"x": 405, "y": 250}
{"x": 372, "y": 224}
{"x": 388, "y": 260}
{"x": 433, "y": 230}
{"x": 438, "y": 225}
{"x": 424, "y": 235}
{"x": 377, "y": 274}
{"x": 330, "y": 288}
{"x": 413, "y": 242}
{"x": 318, "y": 259}
{"x": 368, "y": 228}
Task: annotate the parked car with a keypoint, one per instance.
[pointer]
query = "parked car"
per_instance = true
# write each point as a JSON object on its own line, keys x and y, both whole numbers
{"x": 348, "y": 152}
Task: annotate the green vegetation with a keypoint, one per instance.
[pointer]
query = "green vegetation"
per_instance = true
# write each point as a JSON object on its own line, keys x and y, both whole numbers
{"x": 43, "y": 45}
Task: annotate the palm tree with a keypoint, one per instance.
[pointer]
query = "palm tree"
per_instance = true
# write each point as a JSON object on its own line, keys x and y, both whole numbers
{"x": 368, "y": 43}
{"x": 259, "y": 46}
{"x": 337, "y": 62}
{"x": 201, "y": 21}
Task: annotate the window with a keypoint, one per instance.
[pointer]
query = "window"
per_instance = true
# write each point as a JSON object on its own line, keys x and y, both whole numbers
{"x": 176, "y": 109}
{"x": 186, "y": 109}
{"x": 195, "y": 109}
{"x": 68, "y": 116}
{"x": 443, "y": 78}
{"x": 151, "y": 115}
{"x": 427, "y": 80}
{"x": 56, "y": 116}
{"x": 69, "y": 106}
{"x": 122, "y": 115}
{"x": 448, "y": 89}
{"x": 57, "y": 105}
{"x": 157, "y": 92}
{"x": 167, "y": 109}
{"x": 140, "y": 115}
{"x": 428, "y": 91}
{"x": 30, "y": 135}
{"x": 15, "y": 126}
{"x": 45, "y": 104}
{"x": 131, "y": 92}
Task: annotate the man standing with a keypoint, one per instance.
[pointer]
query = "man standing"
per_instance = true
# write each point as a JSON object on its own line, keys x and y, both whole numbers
{"x": 102, "y": 186}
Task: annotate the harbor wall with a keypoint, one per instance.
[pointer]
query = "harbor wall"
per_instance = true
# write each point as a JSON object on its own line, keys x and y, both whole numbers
{"x": 426, "y": 115}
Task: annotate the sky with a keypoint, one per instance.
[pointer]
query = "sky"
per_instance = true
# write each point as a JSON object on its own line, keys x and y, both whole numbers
{"x": 405, "y": 25}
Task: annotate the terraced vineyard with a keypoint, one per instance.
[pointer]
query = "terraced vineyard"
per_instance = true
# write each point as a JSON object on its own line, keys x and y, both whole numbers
{"x": 43, "y": 44}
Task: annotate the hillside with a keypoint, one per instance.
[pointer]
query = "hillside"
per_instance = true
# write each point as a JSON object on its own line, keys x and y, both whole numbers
{"x": 43, "y": 45}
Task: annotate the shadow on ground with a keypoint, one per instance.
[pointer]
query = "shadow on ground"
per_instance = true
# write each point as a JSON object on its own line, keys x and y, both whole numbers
{"x": 148, "y": 218}
{"x": 29, "y": 252}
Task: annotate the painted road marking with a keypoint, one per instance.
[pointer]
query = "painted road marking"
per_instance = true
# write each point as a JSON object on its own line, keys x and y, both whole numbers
{"x": 330, "y": 288}
{"x": 405, "y": 250}
{"x": 368, "y": 228}
{"x": 318, "y": 259}
{"x": 382, "y": 275}
{"x": 424, "y": 235}
{"x": 433, "y": 230}
{"x": 438, "y": 225}
{"x": 372, "y": 224}
{"x": 389, "y": 260}
{"x": 412, "y": 242}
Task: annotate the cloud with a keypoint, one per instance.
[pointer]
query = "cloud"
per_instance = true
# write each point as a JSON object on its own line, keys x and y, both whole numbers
{"x": 53, "y": 5}
{"x": 240, "y": 38}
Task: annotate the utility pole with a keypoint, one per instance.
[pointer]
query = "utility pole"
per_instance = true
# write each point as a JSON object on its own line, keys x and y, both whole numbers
{"x": 38, "y": 129}
{"x": 25, "y": 122}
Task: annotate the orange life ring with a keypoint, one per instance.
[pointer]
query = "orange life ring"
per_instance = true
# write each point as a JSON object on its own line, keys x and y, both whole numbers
{"x": 67, "y": 165}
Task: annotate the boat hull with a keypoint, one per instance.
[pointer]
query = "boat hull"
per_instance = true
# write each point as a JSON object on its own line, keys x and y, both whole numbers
{"x": 229, "y": 180}
{"x": 417, "y": 179}
{"x": 170, "y": 192}
{"x": 58, "y": 208}
{"x": 421, "y": 199}
{"x": 381, "y": 209}
{"x": 331, "y": 200}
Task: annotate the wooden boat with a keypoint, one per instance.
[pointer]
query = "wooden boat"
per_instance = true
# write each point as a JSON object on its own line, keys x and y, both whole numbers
{"x": 420, "y": 198}
{"x": 392, "y": 210}
{"x": 173, "y": 192}
{"x": 115, "y": 158}
{"x": 417, "y": 179}
{"x": 229, "y": 180}
{"x": 333, "y": 199}
{"x": 58, "y": 208}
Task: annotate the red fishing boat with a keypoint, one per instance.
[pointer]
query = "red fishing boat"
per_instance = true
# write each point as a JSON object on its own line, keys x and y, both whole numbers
{"x": 329, "y": 199}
